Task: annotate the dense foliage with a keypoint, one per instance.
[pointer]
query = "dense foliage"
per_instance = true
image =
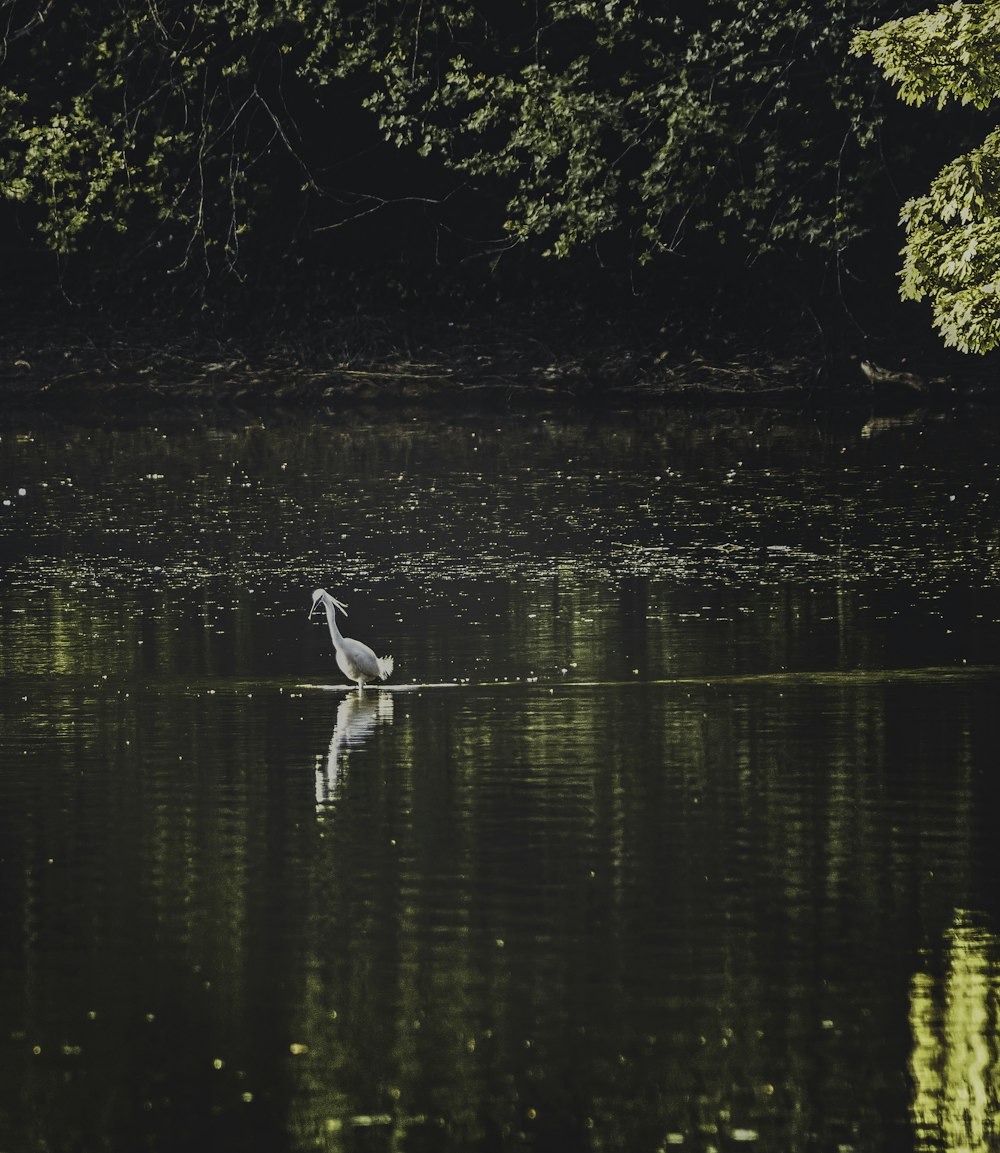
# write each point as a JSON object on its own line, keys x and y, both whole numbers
{"x": 952, "y": 253}
{"x": 725, "y": 116}
{"x": 160, "y": 120}
{"x": 217, "y": 138}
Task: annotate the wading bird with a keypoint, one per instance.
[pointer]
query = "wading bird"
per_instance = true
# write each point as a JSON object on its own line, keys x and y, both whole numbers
{"x": 355, "y": 660}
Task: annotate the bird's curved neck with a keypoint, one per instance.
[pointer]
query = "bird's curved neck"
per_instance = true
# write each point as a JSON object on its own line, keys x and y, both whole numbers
{"x": 331, "y": 620}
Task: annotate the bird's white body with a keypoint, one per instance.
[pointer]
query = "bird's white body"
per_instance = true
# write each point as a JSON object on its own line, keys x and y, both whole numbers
{"x": 355, "y": 660}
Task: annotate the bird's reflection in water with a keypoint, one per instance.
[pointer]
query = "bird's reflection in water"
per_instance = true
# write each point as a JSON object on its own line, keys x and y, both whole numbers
{"x": 358, "y": 715}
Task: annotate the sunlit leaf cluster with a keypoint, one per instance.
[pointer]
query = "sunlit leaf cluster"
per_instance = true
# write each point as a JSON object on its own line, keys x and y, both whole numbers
{"x": 950, "y": 53}
{"x": 952, "y": 251}
{"x": 145, "y": 117}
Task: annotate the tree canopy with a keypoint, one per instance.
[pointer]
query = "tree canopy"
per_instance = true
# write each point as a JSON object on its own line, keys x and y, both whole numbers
{"x": 199, "y": 140}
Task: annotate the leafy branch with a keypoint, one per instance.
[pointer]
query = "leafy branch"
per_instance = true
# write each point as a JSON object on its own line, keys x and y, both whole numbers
{"x": 952, "y": 252}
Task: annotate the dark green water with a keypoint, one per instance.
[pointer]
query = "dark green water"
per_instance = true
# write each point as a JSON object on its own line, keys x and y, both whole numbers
{"x": 676, "y": 829}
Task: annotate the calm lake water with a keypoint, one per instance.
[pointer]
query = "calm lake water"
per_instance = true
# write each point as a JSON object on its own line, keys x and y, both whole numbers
{"x": 676, "y": 825}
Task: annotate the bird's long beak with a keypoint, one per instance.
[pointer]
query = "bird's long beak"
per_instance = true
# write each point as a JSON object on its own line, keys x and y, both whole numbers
{"x": 313, "y": 609}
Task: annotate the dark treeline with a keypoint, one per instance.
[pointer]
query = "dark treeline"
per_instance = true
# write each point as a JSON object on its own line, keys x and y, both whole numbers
{"x": 723, "y": 163}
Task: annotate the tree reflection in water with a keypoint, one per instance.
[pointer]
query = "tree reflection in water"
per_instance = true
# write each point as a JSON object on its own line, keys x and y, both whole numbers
{"x": 954, "y": 1064}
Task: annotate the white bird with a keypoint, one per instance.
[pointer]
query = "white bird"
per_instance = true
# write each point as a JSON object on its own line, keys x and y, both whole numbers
{"x": 355, "y": 660}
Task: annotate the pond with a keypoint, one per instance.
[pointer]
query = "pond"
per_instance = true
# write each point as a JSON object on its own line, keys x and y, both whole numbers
{"x": 673, "y": 827}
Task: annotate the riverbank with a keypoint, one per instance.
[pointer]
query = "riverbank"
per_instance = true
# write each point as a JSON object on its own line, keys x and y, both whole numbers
{"x": 95, "y": 364}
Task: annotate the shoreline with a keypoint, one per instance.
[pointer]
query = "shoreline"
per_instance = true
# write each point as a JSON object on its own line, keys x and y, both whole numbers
{"x": 375, "y": 362}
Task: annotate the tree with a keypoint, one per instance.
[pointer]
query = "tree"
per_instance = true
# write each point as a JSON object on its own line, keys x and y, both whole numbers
{"x": 952, "y": 250}
{"x": 160, "y": 120}
{"x": 722, "y": 127}
{"x": 731, "y": 118}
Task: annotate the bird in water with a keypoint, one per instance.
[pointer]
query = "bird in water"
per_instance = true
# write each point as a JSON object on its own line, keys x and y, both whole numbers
{"x": 355, "y": 660}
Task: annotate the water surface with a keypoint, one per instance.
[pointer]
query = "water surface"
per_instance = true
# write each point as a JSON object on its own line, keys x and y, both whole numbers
{"x": 677, "y": 828}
